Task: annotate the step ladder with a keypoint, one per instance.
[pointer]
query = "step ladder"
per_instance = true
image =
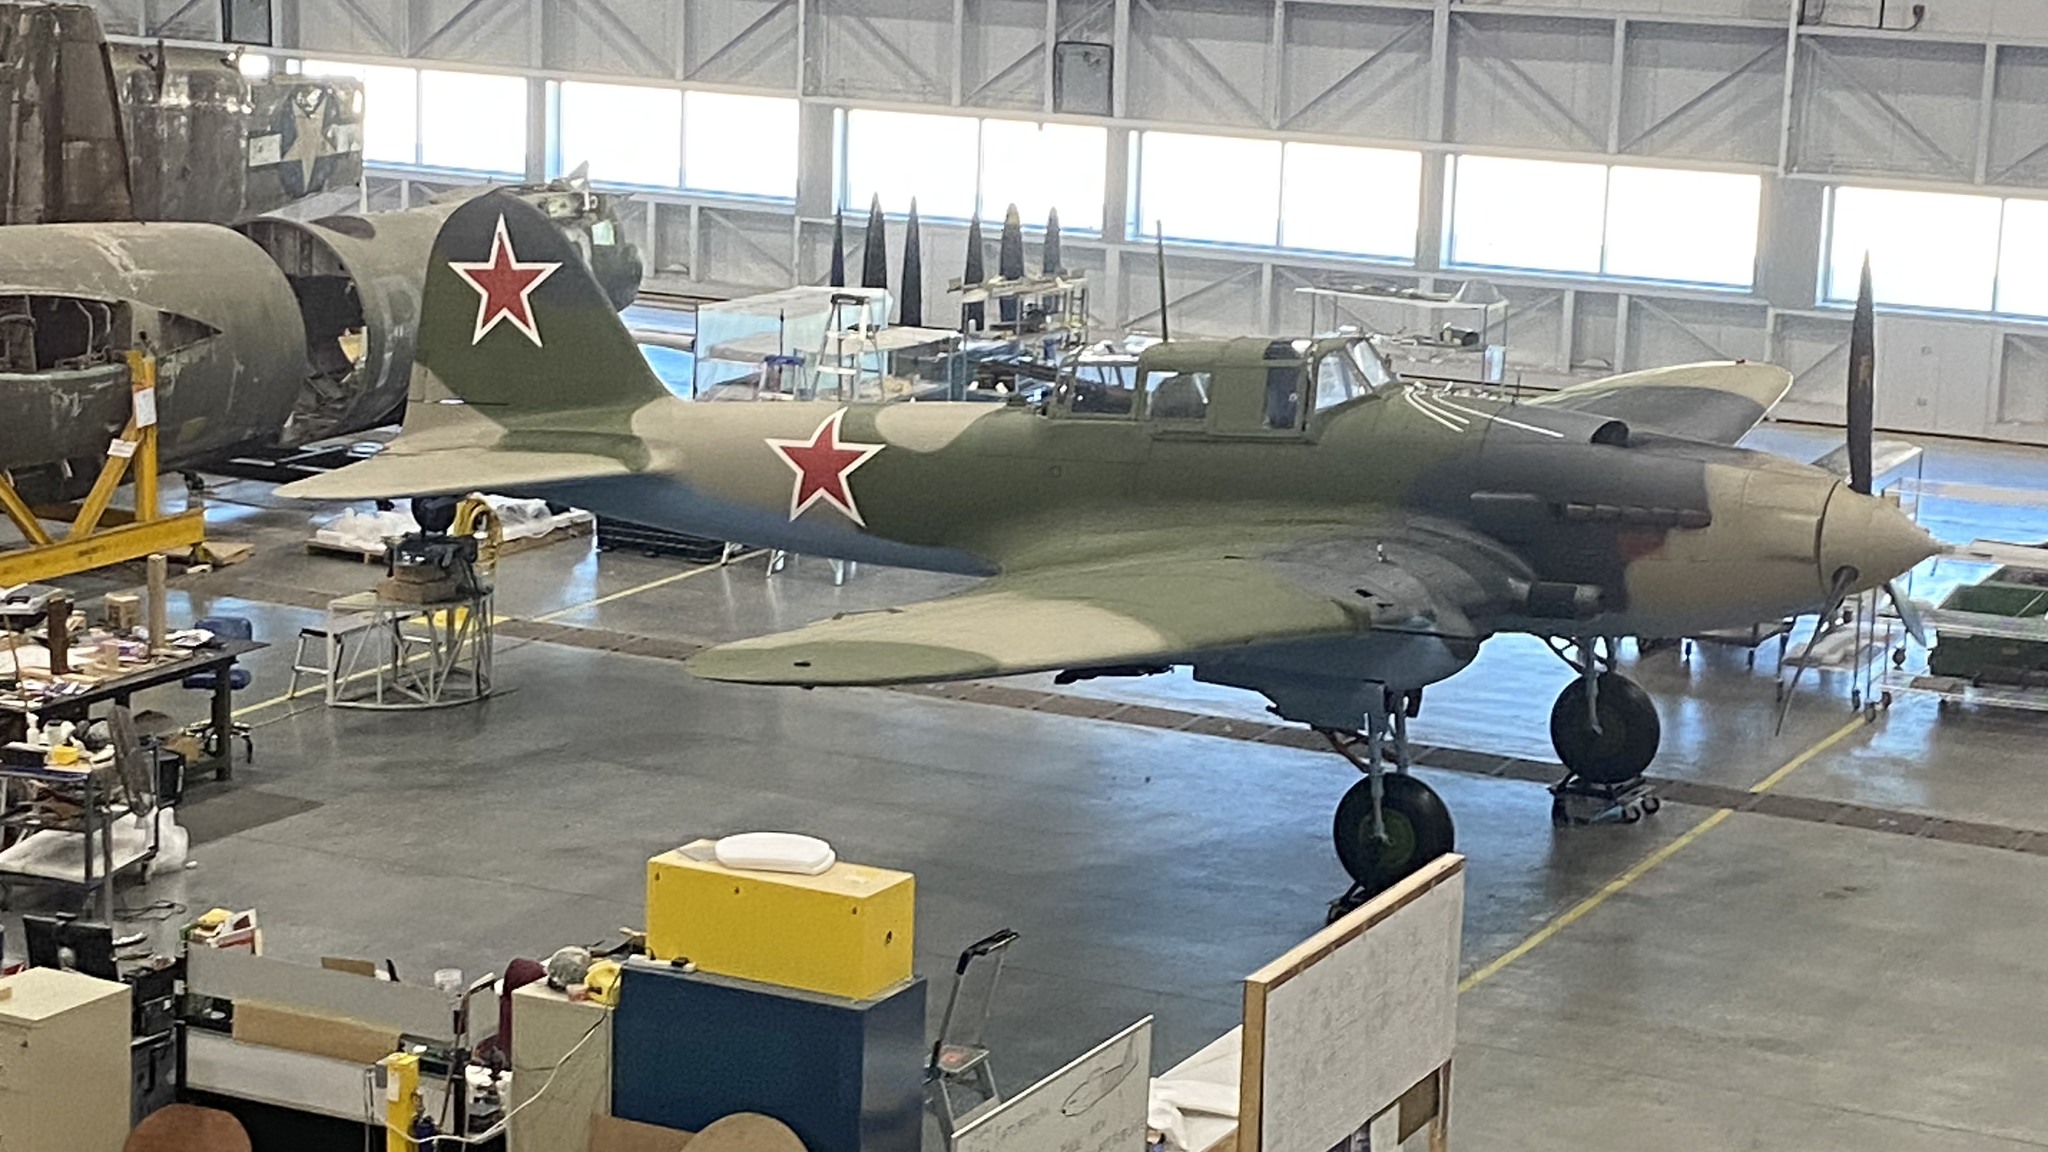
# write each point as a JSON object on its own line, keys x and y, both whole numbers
{"x": 960, "y": 1059}
{"x": 849, "y": 355}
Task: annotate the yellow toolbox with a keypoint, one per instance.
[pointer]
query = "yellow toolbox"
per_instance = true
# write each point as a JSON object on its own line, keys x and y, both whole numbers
{"x": 845, "y": 932}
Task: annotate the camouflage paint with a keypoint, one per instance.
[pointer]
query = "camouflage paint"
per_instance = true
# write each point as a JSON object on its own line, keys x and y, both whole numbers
{"x": 1380, "y": 539}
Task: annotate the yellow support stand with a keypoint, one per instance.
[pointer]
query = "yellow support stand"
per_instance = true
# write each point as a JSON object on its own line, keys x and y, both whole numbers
{"x": 89, "y": 543}
{"x": 401, "y": 1089}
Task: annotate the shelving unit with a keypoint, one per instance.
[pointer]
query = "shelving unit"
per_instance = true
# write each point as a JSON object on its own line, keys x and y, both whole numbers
{"x": 82, "y": 853}
{"x": 1950, "y": 622}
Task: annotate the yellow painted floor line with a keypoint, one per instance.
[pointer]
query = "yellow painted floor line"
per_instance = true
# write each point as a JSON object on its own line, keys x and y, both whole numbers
{"x": 260, "y": 705}
{"x": 320, "y": 689}
{"x": 1800, "y": 761}
{"x": 647, "y": 587}
{"x": 1649, "y": 863}
{"x": 1579, "y": 911}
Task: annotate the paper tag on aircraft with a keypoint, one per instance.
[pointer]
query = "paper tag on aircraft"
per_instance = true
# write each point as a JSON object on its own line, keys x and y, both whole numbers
{"x": 145, "y": 407}
{"x": 265, "y": 150}
{"x": 122, "y": 449}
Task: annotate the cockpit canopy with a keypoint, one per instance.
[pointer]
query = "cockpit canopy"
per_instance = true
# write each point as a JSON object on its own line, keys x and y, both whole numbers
{"x": 1246, "y": 386}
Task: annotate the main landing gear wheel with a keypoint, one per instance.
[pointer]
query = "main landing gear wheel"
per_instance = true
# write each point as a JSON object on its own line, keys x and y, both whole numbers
{"x": 1418, "y": 830}
{"x": 1621, "y": 746}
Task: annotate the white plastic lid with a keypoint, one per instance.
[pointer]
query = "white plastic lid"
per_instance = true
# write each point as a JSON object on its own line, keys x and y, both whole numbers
{"x": 775, "y": 852}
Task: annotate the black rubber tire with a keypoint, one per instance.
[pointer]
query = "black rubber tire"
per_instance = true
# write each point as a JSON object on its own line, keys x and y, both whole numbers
{"x": 1419, "y": 829}
{"x": 1628, "y": 737}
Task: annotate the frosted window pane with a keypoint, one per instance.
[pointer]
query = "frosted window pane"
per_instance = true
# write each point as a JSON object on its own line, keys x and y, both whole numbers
{"x": 1043, "y": 166}
{"x": 391, "y": 108}
{"x": 1927, "y": 249}
{"x": 1222, "y": 189}
{"x": 1538, "y": 214}
{"x": 628, "y": 135}
{"x": 900, "y": 155}
{"x": 1361, "y": 200}
{"x": 740, "y": 145}
{"x": 473, "y": 121}
{"x": 2023, "y": 259}
{"x": 1670, "y": 224}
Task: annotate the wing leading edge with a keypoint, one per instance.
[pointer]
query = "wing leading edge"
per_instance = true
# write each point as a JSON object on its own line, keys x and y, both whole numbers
{"x": 1093, "y": 615}
{"x": 1149, "y": 609}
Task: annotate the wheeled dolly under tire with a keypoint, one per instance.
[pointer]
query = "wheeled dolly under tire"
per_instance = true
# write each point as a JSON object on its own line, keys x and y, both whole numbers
{"x": 1576, "y": 802}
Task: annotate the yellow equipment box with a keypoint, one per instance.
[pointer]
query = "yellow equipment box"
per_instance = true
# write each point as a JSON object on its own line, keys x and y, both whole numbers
{"x": 845, "y": 932}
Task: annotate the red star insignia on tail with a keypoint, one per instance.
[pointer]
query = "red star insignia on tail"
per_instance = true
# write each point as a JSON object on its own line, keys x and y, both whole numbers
{"x": 822, "y": 465}
{"x": 504, "y": 287}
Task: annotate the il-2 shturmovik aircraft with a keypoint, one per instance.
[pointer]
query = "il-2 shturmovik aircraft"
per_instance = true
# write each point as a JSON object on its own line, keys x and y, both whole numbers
{"x": 1281, "y": 515}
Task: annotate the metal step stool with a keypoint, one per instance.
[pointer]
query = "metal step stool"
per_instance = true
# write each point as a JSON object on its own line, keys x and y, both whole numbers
{"x": 960, "y": 1058}
{"x": 325, "y": 671}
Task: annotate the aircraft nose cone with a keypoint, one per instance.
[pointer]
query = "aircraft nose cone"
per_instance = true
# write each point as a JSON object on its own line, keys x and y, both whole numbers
{"x": 1870, "y": 535}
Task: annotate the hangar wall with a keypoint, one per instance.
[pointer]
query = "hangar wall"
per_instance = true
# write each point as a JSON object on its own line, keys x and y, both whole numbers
{"x": 1803, "y": 94}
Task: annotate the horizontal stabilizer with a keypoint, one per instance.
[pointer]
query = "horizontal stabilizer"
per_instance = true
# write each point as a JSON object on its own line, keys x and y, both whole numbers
{"x": 395, "y": 474}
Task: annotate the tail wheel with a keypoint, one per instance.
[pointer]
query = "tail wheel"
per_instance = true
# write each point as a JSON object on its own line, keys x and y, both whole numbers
{"x": 1418, "y": 830}
{"x": 1627, "y": 738}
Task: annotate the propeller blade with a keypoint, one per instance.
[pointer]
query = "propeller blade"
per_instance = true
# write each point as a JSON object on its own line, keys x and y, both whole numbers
{"x": 1010, "y": 260}
{"x": 1830, "y": 620}
{"x": 1909, "y": 612}
{"x": 874, "y": 256}
{"x": 910, "y": 305}
{"x": 836, "y": 278}
{"x": 1159, "y": 250}
{"x": 972, "y": 316}
{"x": 1862, "y": 377}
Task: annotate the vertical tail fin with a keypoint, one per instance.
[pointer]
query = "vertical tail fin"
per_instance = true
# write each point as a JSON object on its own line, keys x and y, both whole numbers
{"x": 522, "y": 376}
{"x": 512, "y": 321}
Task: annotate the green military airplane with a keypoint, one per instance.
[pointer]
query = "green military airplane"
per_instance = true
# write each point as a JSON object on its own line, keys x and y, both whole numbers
{"x": 1282, "y": 515}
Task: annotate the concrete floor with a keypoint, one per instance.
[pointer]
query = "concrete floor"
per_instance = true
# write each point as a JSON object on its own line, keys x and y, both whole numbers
{"x": 1797, "y": 980}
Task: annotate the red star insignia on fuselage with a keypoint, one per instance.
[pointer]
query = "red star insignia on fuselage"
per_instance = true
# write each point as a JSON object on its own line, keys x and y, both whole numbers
{"x": 504, "y": 287}
{"x": 822, "y": 465}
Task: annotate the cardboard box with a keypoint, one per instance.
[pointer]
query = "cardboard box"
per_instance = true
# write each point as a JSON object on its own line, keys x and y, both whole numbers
{"x": 313, "y": 1034}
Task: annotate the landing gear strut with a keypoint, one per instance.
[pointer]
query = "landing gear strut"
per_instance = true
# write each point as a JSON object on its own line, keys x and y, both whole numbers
{"x": 1605, "y": 730}
{"x": 1388, "y": 824}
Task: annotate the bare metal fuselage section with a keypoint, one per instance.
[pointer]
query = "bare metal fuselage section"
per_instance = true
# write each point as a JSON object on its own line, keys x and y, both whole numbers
{"x": 96, "y": 132}
{"x": 206, "y": 143}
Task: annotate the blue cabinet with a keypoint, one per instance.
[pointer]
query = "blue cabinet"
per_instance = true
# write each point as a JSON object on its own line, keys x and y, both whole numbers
{"x": 845, "y": 1075}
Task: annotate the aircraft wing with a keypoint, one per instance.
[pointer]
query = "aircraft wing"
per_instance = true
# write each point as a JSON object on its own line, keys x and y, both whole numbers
{"x": 1145, "y": 610}
{"x": 1716, "y": 402}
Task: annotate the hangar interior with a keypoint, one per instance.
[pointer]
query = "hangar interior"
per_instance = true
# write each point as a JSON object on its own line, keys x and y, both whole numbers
{"x": 1826, "y": 931}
